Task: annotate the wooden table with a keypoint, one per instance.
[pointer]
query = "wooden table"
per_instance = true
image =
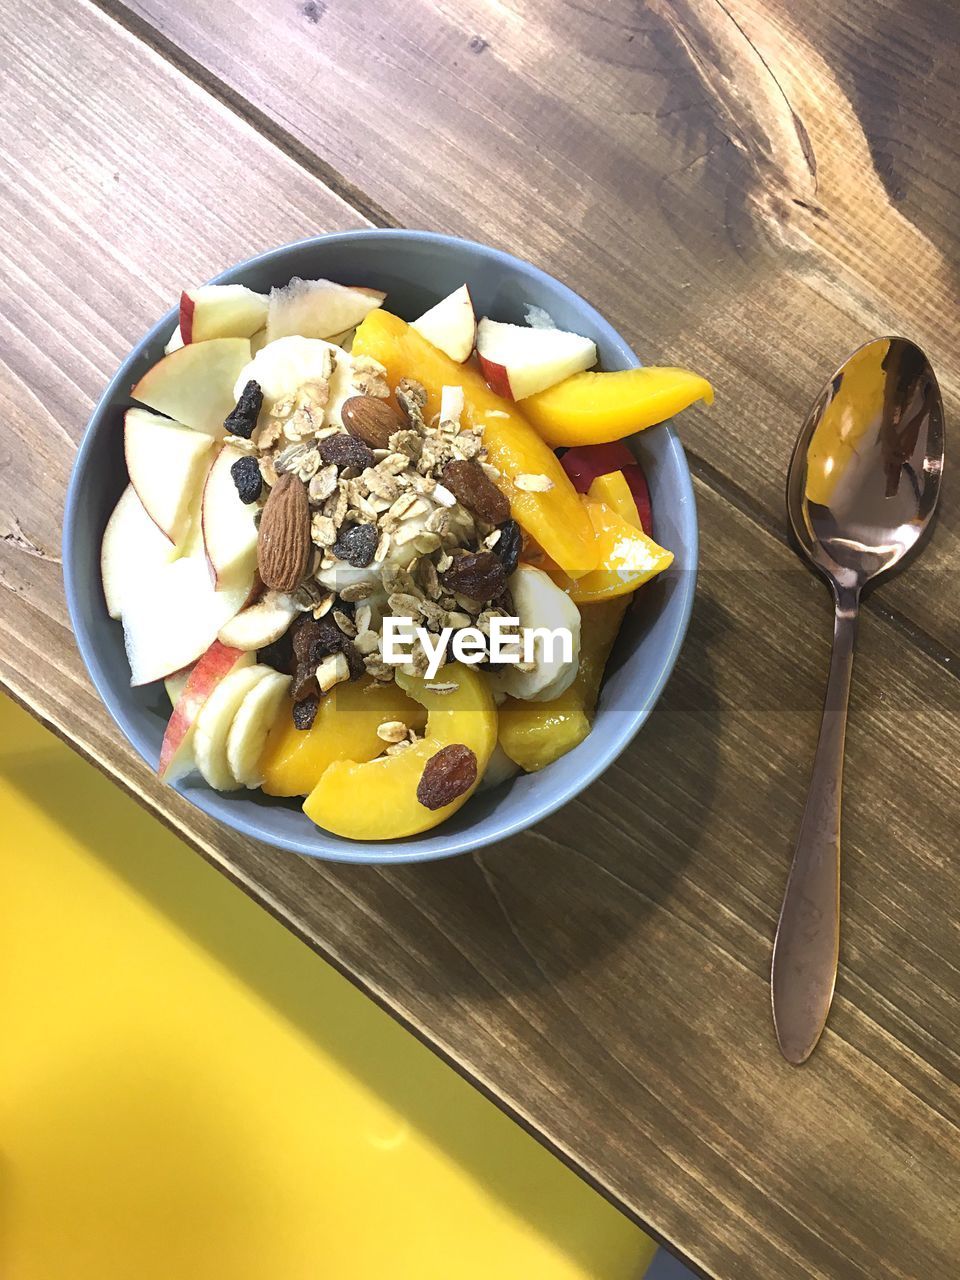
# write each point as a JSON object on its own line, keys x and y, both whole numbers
{"x": 751, "y": 188}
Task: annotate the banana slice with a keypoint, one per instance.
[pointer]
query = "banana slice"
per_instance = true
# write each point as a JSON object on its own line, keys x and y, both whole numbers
{"x": 214, "y": 722}
{"x": 283, "y": 366}
{"x": 500, "y": 768}
{"x": 539, "y": 602}
{"x": 251, "y": 724}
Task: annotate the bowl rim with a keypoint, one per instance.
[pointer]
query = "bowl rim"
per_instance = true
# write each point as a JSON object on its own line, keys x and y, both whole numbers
{"x": 410, "y": 850}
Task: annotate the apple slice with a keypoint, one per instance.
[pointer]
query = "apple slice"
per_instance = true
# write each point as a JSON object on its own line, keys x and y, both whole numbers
{"x": 345, "y": 339}
{"x": 172, "y": 617}
{"x": 174, "y": 342}
{"x": 133, "y": 548}
{"x": 176, "y": 684}
{"x": 518, "y": 361}
{"x": 229, "y": 529}
{"x": 166, "y": 462}
{"x": 251, "y": 724}
{"x": 215, "y": 720}
{"x": 317, "y": 308}
{"x": 451, "y": 325}
{"x": 221, "y": 311}
{"x": 261, "y": 623}
{"x": 176, "y": 750}
{"x": 194, "y": 384}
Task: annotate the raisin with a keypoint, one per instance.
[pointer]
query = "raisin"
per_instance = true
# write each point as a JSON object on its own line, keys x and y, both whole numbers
{"x": 305, "y": 711}
{"x": 242, "y": 420}
{"x": 354, "y": 659}
{"x": 278, "y": 655}
{"x": 303, "y": 633}
{"x": 446, "y": 776}
{"x": 247, "y": 478}
{"x": 329, "y": 639}
{"x": 508, "y": 546}
{"x": 473, "y": 488}
{"x": 304, "y": 680}
{"x": 345, "y": 451}
{"x": 504, "y": 602}
{"x": 315, "y": 639}
{"x": 370, "y": 419}
{"x": 478, "y": 575}
{"x": 356, "y": 544}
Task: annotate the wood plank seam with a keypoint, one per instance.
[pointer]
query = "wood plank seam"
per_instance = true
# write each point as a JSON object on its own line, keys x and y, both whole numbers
{"x": 268, "y": 128}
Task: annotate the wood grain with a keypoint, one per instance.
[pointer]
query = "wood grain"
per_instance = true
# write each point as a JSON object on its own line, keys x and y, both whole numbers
{"x": 604, "y": 976}
{"x": 752, "y": 187}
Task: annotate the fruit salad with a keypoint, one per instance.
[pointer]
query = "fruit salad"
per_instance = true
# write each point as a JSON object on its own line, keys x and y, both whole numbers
{"x": 333, "y": 518}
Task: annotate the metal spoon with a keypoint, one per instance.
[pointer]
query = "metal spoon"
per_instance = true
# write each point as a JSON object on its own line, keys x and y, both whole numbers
{"x": 863, "y": 484}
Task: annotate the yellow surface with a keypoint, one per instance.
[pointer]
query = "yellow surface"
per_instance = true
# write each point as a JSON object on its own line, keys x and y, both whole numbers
{"x": 186, "y": 1091}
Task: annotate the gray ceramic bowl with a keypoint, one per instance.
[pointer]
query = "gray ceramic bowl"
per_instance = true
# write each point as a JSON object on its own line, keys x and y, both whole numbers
{"x": 416, "y": 268}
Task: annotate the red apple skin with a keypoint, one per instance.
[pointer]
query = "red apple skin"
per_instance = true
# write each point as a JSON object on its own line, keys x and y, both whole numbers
{"x": 641, "y": 495}
{"x": 210, "y": 669}
{"x": 496, "y": 375}
{"x": 585, "y": 462}
{"x": 186, "y": 317}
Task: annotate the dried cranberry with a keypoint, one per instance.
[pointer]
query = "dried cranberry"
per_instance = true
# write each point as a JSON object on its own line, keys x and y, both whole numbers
{"x": 356, "y": 544}
{"x": 242, "y": 420}
{"x": 471, "y": 486}
{"x": 247, "y": 478}
{"x": 446, "y": 776}
{"x": 478, "y": 575}
{"x": 305, "y": 711}
{"x": 345, "y": 451}
{"x": 508, "y": 546}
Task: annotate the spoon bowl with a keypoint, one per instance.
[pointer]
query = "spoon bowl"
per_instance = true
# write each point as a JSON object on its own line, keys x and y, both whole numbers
{"x": 862, "y": 489}
{"x": 865, "y": 474}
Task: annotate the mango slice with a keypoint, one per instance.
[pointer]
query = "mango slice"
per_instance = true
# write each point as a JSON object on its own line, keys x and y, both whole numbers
{"x": 554, "y": 517}
{"x": 345, "y": 729}
{"x": 594, "y": 408}
{"x": 628, "y": 558}
{"x": 377, "y": 800}
{"x": 534, "y": 734}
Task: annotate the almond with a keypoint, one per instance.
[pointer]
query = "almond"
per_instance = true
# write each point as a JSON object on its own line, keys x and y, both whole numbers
{"x": 371, "y": 420}
{"x": 284, "y": 545}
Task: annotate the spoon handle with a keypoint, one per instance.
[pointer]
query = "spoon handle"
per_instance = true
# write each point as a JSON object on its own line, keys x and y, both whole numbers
{"x": 807, "y": 944}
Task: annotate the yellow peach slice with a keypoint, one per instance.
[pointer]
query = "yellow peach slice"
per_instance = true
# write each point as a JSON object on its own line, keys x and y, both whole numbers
{"x": 534, "y": 734}
{"x": 377, "y": 800}
{"x": 552, "y": 514}
{"x": 613, "y": 489}
{"x": 593, "y": 408}
{"x": 628, "y": 558}
{"x": 345, "y": 729}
